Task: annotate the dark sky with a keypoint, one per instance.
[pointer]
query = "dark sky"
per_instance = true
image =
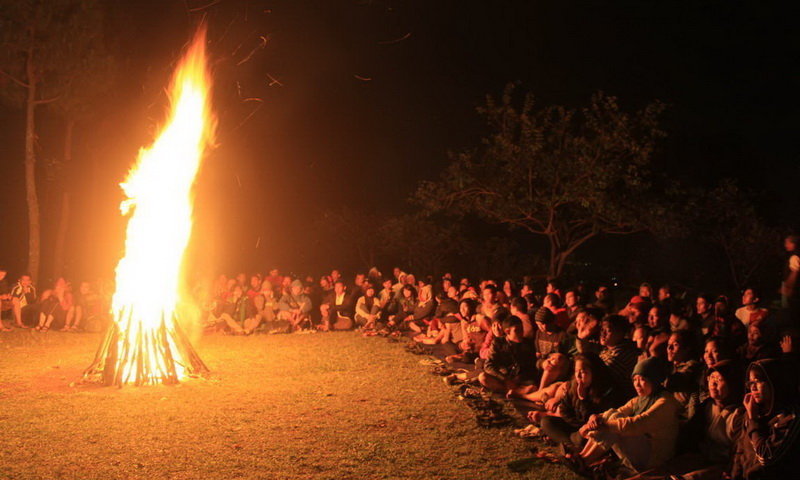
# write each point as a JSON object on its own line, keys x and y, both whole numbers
{"x": 327, "y": 139}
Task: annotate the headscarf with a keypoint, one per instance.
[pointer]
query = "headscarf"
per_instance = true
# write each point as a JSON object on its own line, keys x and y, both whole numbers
{"x": 654, "y": 370}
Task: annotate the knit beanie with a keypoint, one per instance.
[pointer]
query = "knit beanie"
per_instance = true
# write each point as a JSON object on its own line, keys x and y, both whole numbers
{"x": 654, "y": 369}
{"x": 544, "y": 315}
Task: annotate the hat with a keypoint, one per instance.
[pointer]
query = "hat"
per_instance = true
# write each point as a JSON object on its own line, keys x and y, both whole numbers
{"x": 654, "y": 369}
{"x": 637, "y": 299}
{"x": 297, "y": 283}
{"x": 544, "y": 315}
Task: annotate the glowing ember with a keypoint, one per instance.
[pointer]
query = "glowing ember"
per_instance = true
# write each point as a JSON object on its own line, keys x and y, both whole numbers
{"x": 146, "y": 344}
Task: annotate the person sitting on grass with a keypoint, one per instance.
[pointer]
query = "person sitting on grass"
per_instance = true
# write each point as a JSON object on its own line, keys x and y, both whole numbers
{"x": 488, "y": 306}
{"x": 473, "y": 332}
{"x": 56, "y": 305}
{"x": 387, "y": 300}
{"x": 587, "y": 330}
{"x": 510, "y": 362}
{"x": 337, "y": 313}
{"x": 424, "y": 310}
{"x": 82, "y": 309}
{"x": 685, "y": 377}
{"x": 547, "y": 392}
{"x": 552, "y": 301}
{"x": 441, "y": 329}
{"x": 236, "y": 317}
{"x": 642, "y": 433}
{"x": 619, "y": 353}
{"x": 761, "y": 342}
{"x": 368, "y": 310}
{"x": 659, "y": 331}
{"x": 295, "y": 307}
{"x": 549, "y": 337}
{"x": 707, "y": 441}
{"x": 750, "y": 311}
{"x": 769, "y": 444}
{"x": 588, "y": 393}
{"x": 406, "y": 305}
{"x": 24, "y": 302}
{"x": 266, "y": 305}
{"x": 519, "y": 308}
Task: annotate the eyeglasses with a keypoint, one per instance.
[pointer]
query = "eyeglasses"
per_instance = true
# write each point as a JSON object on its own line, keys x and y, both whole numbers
{"x": 752, "y": 383}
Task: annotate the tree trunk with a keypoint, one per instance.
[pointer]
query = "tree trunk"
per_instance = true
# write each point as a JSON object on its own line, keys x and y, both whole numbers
{"x": 63, "y": 220}
{"x": 553, "y": 270}
{"x": 34, "y": 227}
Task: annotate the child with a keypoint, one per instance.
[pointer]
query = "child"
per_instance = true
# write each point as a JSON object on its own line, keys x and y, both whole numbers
{"x": 511, "y": 361}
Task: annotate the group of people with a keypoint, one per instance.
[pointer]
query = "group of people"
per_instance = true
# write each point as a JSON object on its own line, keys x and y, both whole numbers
{"x": 21, "y": 306}
{"x": 663, "y": 385}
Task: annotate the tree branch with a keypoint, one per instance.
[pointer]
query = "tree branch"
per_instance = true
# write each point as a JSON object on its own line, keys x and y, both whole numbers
{"x": 14, "y": 79}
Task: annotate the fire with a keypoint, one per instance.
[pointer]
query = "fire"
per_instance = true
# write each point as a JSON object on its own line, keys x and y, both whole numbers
{"x": 146, "y": 344}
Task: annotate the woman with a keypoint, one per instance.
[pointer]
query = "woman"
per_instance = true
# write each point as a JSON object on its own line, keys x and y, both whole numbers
{"x": 768, "y": 445}
{"x": 473, "y": 332}
{"x": 709, "y": 438}
{"x": 588, "y": 393}
{"x": 368, "y": 310}
{"x": 509, "y": 290}
{"x": 405, "y": 308}
{"x": 642, "y": 433}
{"x": 716, "y": 350}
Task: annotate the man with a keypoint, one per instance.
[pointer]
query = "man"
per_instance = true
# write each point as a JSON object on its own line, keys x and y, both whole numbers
{"x": 295, "y": 307}
{"x": 603, "y": 299}
{"x": 23, "y": 298}
{"x": 749, "y": 311}
{"x": 338, "y": 313}
{"x": 549, "y": 337}
{"x": 619, "y": 353}
{"x": 274, "y": 278}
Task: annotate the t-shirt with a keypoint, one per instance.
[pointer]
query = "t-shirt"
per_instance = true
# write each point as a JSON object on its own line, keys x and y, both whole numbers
{"x": 746, "y": 316}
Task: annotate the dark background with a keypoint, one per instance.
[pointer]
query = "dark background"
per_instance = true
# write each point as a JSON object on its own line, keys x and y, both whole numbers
{"x": 326, "y": 139}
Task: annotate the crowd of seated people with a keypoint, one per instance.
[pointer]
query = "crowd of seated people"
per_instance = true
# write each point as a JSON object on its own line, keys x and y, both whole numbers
{"x": 661, "y": 386}
{"x": 60, "y": 307}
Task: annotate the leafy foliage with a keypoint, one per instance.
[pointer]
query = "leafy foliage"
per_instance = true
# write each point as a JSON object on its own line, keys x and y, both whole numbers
{"x": 728, "y": 219}
{"x": 567, "y": 174}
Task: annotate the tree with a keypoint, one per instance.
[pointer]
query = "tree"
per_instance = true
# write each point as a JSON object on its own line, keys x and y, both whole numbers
{"x": 728, "y": 219}
{"x": 419, "y": 243}
{"x": 568, "y": 175}
{"x": 351, "y": 231}
{"x": 37, "y": 44}
{"x": 88, "y": 81}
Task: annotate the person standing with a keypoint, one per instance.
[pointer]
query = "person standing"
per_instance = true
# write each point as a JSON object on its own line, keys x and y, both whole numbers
{"x": 790, "y": 290}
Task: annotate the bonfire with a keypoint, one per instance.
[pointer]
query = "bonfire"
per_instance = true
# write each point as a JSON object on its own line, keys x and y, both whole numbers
{"x": 145, "y": 343}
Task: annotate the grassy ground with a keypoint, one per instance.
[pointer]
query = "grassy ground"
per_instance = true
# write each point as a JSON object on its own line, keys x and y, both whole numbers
{"x": 286, "y": 406}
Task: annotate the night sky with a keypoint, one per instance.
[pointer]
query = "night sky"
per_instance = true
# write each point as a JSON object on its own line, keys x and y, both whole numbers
{"x": 327, "y": 138}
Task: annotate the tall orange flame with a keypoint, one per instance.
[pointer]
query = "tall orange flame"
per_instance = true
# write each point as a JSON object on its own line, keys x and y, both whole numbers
{"x": 148, "y": 346}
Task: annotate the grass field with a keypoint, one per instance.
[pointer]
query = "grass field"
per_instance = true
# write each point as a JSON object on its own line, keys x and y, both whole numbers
{"x": 284, "y": 406}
